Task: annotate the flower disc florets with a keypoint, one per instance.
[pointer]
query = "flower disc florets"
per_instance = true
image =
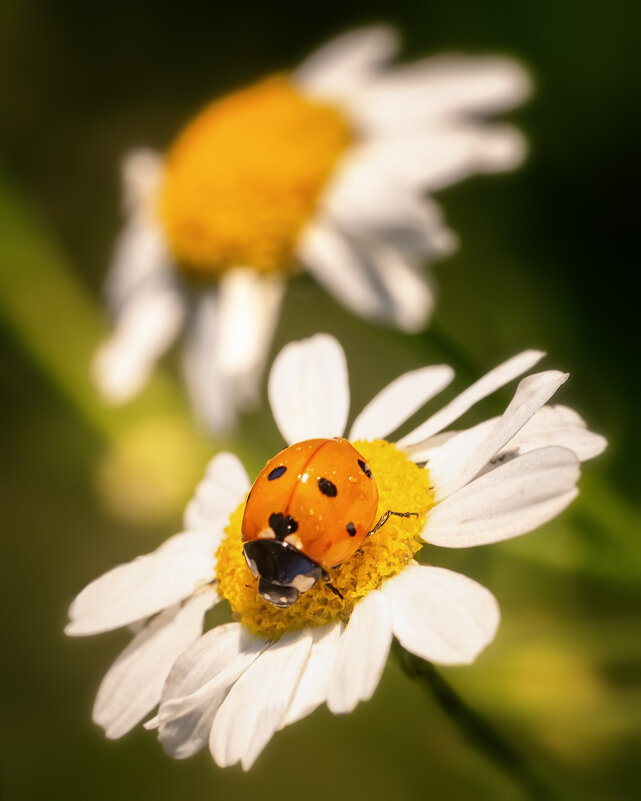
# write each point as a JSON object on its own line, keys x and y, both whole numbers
{"x": 402, "y": 487}
{"x": 245, "y": 176}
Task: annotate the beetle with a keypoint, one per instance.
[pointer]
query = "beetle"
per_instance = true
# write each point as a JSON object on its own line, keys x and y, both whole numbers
{"x": 309, "y": 510}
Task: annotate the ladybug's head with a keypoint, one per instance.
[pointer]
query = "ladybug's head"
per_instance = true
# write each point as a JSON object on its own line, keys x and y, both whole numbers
{"x": 282, "y": 571}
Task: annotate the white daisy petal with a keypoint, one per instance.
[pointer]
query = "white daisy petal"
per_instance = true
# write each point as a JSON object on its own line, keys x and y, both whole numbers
{"x": 311, "y": 691}
{"x": 211, "y": 396}
{"x": 362, "y": 654}
{"x": 446, "y": 155}
{"x": 399, "y": 400}
{"x": 461, "y": 457}
{"x": 366, "y": 201}
{"x": 146, "y": 585}
{"x": 198, "y": 684}
{"x": 373, "y": 280}
{"x": 512, "y": 499}
{"x": 402, "y": 284}
{"x": 551, "y": 425}
{"x": 249, "y": 306}
{"x": 308, "y": 389}
{"x": 480, "y": 389}
{"x": 258, "y": 701}
{"x": 558, "y": 425}
{"x": 228, "y": 343}
{"x": 333, "y": 261}
{"x": 424, "y": 451}
{"x": 145, "y": 327}
{"x": 218, "y": 494}
{"x": 140, "y": 263}
{"x": 440, "y": 615}
{"x": 340, "y": 67}
{"x": 142, "y": 173}
{"x": 133, "y": 684}
{"x": 141, "y": 256}
{"x": 441, "y": 88}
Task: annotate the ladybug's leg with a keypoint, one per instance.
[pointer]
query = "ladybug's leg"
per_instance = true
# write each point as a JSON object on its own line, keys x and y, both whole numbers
{"x": 328, "y": 582}
{"x": 385, "y": 518}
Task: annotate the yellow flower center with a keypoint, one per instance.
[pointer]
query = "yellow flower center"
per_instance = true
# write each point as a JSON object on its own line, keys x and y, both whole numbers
{"x": 402, "y": 487}
{"x": 245, "y": 176}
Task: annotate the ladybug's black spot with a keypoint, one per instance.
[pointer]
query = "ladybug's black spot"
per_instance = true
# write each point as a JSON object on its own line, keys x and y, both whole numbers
{"x": 327, "y": 488}
{"x": 282, "y": 525}
{"x": 365, "y": 468}
{"x": 277, "y": 472}
{"x": 351, "y": 529}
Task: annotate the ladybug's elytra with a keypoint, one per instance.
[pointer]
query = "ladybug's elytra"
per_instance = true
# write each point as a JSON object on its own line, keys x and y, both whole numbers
{"x": 309, "y": 510}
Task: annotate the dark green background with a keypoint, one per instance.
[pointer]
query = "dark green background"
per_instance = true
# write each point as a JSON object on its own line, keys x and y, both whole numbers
{"x": 546, "y": 261}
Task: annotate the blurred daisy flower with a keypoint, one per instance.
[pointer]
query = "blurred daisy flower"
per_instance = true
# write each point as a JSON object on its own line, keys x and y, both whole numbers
{"x": 235, "y": 686}
{"x": 323, "y": 169}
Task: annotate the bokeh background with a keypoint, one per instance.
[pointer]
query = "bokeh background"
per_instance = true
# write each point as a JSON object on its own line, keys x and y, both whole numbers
{"x": 546, "y": 259}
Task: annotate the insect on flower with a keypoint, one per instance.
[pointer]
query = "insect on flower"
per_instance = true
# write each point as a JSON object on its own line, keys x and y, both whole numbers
{"x": 308, "y": 511}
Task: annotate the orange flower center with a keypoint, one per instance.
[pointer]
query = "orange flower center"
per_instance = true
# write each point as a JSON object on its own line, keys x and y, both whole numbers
{"x": 245, "y": 175}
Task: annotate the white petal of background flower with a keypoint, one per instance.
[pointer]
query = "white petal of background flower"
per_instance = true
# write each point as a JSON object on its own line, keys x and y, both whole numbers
{"x": 228, "y": 342}
{"x": 257, "y": 702}
{"x": 142, "y": 173}
{"x": 249, "y": 304}
{"x": 339, "y": 68}
{"x": 366, "y": 201}
{"x": 446, "y": 155}
{"x": 133, "y": 684}
{"x": 440, "y": 615}
{"x": 312, "y": 688}
{"x": 211, "y": 395}
{"x": 512, "y": 499}
{"x": 461, "y": 458}
{"x": 140, "y": 263}
{"x": 198, "y": 684}
{"x": 308, "y": 389}
{"x": 489, "y": 383}
{"x": 217, "y": 495}
{"x": 362, "y": 654}
{"x": 146, "y": 585}
{"x": 337, "y": 264}
{"x": 141, "y": 255}
{"x": 399, "y": 400}
{"x": 401, "y": 283}
{"x": 144, "y": 329}
{"x": 441, "y": 87}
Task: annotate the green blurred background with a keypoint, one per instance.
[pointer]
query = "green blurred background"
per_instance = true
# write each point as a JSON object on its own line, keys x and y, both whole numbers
{"x": 545, "y": 261}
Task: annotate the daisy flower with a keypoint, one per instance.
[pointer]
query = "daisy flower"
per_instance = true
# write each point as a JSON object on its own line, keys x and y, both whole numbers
{"x": 235, "y": 686}
{"x": 324, "y": 169}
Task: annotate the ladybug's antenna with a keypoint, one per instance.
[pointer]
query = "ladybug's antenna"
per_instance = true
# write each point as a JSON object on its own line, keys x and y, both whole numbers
{"x": 385, "y": 518}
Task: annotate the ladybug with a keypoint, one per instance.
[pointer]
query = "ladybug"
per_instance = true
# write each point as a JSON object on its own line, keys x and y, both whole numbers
{"x": 308, "y": 511}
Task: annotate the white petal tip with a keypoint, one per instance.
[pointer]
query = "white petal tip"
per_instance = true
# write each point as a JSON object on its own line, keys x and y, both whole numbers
{"x": 115, "y": 382}
{"x": 599, "y": 443}
{"x": 505, "y": 152}
{"x": 71, "y": 630}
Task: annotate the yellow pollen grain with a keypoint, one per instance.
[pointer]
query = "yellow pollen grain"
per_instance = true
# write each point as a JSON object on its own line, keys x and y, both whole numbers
{"x": 402, "y": 487}
{"x": 245, "y": 175}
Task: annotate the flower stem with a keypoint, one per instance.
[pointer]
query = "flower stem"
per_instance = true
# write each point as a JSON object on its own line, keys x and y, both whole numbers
{"x": 475, "y": 728}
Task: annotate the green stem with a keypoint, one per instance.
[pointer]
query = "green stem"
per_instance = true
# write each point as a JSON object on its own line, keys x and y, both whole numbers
{"x": 475, "y": 728}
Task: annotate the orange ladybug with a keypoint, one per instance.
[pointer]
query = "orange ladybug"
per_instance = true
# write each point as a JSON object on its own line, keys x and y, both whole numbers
{"x": 309, "y": 510}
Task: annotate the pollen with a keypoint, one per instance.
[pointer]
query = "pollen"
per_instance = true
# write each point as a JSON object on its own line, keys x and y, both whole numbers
{"x": 402, "y": 487}
{"x": 244, "y": 177}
